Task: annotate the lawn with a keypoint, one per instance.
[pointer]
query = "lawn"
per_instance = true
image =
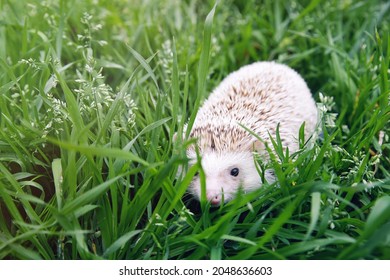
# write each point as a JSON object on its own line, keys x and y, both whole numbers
{"x": 92, "y": 92}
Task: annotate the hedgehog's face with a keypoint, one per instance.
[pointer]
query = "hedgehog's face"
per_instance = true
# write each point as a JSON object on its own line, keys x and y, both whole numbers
{"x": 225, "y": 174}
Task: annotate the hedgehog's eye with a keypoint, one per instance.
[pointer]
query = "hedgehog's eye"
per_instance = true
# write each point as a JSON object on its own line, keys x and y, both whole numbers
{"x": 234, "y": 172}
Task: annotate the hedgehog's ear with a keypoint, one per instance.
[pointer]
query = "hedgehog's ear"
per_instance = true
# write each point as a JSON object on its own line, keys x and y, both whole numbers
{"x": 260, "y": 148}
{"x": 257, "y": 145}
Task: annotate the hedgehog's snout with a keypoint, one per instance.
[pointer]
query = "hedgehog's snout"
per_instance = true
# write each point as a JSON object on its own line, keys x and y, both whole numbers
{"x": 214, "y": 199}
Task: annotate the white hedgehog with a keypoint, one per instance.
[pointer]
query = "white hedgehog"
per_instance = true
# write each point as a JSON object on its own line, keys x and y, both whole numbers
{"x": 258, "y": 96}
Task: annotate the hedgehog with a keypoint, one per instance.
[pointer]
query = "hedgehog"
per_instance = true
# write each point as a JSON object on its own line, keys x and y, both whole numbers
{"x": 258, "y": 97}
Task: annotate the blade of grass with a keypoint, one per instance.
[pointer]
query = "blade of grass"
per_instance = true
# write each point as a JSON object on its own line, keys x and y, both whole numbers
{"x": 203, "y": 66}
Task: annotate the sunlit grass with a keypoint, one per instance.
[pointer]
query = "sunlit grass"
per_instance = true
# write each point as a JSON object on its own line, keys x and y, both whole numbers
{"x": 91, "y": 95}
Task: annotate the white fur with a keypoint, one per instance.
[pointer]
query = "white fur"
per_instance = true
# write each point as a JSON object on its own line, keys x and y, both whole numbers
{"x": 259, "y": 96}
{"x": 219, "y": 182}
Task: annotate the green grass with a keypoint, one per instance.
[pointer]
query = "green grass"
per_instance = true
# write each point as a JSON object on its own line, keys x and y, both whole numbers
{"x": 92, "y": 92}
